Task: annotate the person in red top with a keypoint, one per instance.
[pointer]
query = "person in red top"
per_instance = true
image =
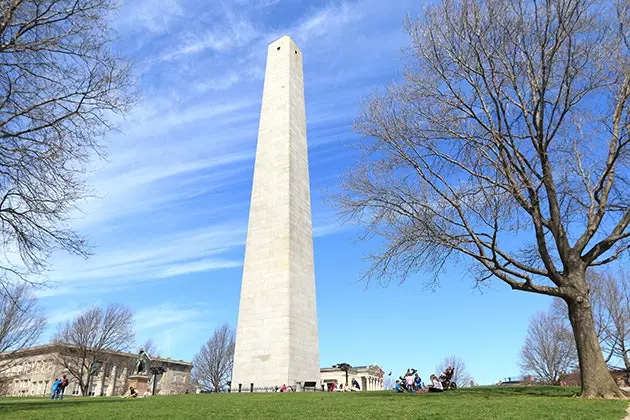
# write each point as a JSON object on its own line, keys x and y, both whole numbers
{"x": 284, "y": 388}
{"x": 62, "y": 386}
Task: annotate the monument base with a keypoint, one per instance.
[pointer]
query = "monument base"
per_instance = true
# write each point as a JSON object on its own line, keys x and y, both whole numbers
{"x": 140, "y": 383}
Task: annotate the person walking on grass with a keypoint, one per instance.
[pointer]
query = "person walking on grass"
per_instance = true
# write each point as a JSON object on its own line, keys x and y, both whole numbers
{"x": 55, "y": 389}
{"x": 62, "y": 387}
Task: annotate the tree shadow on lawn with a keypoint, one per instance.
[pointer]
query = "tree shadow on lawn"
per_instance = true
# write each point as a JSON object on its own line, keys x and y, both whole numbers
{"x": 486, "y": 392}
{"x": 14, "y": 406}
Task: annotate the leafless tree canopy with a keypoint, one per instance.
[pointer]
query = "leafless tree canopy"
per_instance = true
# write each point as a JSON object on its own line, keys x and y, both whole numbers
{"x": 150, "y": 348}
{"x": 611, "y": 309}
{"x": 212, "y": 366}
{"x": 549, "y": 349}
{"x": 507, "y": 143}
{"x": 21, "y": 322}
{"x": 88, "y": 337}
{"x": 461, "y": 376}
{"x": 60, "y": 85}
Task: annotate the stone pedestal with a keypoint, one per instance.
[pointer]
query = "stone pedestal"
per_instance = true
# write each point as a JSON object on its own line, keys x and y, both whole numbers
{"x": 139, "y": 382}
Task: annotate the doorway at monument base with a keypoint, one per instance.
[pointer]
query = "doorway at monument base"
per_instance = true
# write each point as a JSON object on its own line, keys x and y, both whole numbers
{"x": 370, "y": 378}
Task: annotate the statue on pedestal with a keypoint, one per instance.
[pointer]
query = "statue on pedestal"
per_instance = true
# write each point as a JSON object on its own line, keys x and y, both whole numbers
{"x": 142, "y": 363}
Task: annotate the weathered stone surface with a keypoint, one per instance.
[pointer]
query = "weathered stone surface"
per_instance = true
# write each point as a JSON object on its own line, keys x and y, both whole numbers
{"x": 276, "y": 341}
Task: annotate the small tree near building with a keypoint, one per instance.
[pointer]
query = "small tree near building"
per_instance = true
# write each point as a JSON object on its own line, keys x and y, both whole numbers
{"x": 549, "y": 349}
{"x": 611, "y": 306}
{"x": 212, "y": 366}
{"x": 460, "y": 376}
{"x": 84, "y": 343}
{"x": 150, "y": 348}
{"x": 21, "y": 323}
{"x": 344, "y": 367}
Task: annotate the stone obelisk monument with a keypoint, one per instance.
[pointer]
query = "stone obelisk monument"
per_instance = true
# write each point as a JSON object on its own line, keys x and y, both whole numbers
{"x": 276, "y": 338}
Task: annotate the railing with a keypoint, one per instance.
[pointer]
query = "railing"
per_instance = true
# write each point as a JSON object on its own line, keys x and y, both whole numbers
{"x": 297, "y": 388}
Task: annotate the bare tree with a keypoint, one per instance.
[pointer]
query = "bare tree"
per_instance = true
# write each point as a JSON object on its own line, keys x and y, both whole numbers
{"x": 549, "y": 349}
{"x": 611, "y": 307}
{"x": 150, "y": 348}
{"x": 460, "y": 376}
{"x": 212, "y": 366}
{"x": 506, "y": 144}
{"x": 21, "y": 323}
{"x": 60, "y": 86}
{"x": 86, "y": 342}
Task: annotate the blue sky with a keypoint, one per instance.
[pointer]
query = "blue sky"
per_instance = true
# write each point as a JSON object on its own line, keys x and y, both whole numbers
{"x": 169, "y": 225}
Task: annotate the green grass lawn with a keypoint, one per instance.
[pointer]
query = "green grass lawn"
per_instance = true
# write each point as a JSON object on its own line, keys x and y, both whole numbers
{"x": 477, "y": 403}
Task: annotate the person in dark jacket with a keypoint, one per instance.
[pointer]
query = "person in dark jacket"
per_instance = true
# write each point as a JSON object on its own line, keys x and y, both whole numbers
{"x": 62, "y": 387}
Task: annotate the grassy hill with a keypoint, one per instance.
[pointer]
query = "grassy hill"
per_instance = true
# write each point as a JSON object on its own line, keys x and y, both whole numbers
{"x": 477, "y": 403}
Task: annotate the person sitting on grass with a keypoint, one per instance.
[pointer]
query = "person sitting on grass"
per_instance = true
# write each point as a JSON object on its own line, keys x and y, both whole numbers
{"x": 355, "y": 385}
{"x": 418, "y": 383}
{"x": 409, "y": 381}
{"x": 399, "y": 387}
{"x": 132, "y": 393}
{"x": 436, "y": 385}
{"x": 283, "y": 388}
{"x": 447, "y": 374}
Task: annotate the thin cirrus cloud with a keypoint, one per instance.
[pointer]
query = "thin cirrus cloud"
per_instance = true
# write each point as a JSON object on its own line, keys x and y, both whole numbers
{"x": 171, "y": 198}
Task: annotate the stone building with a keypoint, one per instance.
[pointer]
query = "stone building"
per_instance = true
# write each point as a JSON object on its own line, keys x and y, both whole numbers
{"x": 32, "y": 372}
{"x": 370, "y": 378}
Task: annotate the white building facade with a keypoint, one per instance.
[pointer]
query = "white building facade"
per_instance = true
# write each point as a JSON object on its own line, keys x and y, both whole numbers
{"x": 32, "y": 371}
{"x": 370, "y": 378}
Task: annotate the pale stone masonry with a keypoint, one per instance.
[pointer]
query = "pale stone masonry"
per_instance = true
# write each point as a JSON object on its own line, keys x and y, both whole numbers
{"x": 32, "y": 372}
{"x": 277, "y": 341}
{"x": 370, "y": 378}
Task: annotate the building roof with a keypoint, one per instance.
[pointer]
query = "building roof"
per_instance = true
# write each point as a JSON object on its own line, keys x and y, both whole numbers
{"x": 354, "y": 369}
{"x": 54, "y": 347}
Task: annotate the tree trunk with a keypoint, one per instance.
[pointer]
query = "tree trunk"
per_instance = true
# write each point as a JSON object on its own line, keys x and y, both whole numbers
{"x": 597, "y": 381}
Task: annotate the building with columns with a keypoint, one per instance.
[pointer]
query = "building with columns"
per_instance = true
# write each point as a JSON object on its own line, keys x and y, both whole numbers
{"x": 370, "y": 378}
{"x": 32, "y": 371}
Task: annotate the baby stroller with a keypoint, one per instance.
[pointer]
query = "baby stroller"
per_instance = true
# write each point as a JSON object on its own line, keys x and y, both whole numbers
{"x": 447, "y": 379}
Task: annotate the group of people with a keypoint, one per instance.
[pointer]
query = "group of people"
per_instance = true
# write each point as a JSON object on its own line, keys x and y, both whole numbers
{"x": 411, "y": 382}
{"x": 58, "y": 388}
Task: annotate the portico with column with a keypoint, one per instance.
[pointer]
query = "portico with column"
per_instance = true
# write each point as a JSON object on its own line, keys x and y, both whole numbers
{"x": 370, "y": 378}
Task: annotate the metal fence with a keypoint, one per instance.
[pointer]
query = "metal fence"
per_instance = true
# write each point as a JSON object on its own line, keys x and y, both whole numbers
{"x": 298, "y": 387}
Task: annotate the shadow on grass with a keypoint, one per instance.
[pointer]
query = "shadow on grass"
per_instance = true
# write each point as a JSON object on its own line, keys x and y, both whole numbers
{"x": 45, "y": 404}
{"x": 485, "y": 392}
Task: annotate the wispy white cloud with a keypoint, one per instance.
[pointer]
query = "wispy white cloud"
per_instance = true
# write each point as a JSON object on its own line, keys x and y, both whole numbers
{"x": 172, "y": 195}
{"x": 234, "y": 32}
{"x": 223, "y": 82}
{"x": 153, "y": 15}
{"x": 122, "y": 265}
{"x": 172, "y": 324}
{"x": 62, "y": 315}
{"x": 167, "y": 314}
{"x": 324, "y": 21}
